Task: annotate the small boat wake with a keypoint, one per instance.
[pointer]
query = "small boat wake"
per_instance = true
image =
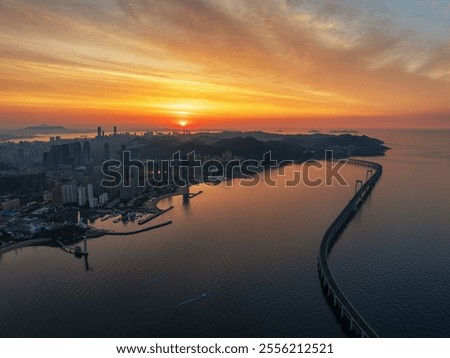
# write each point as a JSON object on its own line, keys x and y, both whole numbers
{"x": 204, "y": 296}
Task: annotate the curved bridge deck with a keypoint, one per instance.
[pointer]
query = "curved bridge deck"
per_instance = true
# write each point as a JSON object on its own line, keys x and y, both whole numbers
{"x": 357, "y": 323}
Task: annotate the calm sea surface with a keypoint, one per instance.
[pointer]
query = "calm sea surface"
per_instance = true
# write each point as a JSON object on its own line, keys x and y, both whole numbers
{"x": 393, "y": 260}
{"x": 241, "y": 261}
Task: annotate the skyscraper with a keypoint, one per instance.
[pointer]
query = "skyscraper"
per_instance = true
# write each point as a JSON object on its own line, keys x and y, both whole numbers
{"x": 82, "y": 196}
{"x": 75, "y": 153}
{"x": 57, "y": 198}
{"x": 69, "y": 193}
{"x": 90, "y": 191}
{"x": 86, "y": 152}
{"x": 106, "y": 152}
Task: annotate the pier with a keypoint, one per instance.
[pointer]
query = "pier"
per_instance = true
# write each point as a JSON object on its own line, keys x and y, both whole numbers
{"x": 154, "y": 216}
{"x": 336, "y": 297}
{"x": 118, "y": 233}
{"x": 77, "y": 251}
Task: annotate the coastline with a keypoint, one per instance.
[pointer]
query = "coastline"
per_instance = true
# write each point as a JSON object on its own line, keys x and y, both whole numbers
{"x": 153, "y": 203}
{"x": 23, "y": 244}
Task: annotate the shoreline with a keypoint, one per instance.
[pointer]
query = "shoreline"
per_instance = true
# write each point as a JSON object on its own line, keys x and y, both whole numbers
{"x": 153, "y": 202}
{"x": 23, "y": 244}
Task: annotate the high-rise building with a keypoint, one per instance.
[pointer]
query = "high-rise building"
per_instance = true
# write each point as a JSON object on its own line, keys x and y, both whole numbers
{"x": 69, "y": 193}
{"x": 97, "y": 178}
{"x": 93, "y": 202}
{"x": 67, "y": 154}
{"x": 55, "y": 156}
{"x": 82, "y": 196}
{"x": 103, "y": 199}
{"x": 106, "y": 155}
{"x": 86, "y": 152}
{"x": 90, "y": 191}
{"x": 99, "y": 131}
{"x": 75, "y": 153}
{"x": 57, "y": 199}
{"x": 115, "y": 130}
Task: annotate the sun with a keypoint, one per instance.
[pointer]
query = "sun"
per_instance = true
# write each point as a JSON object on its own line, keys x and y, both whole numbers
{"x": 183, "y": 123}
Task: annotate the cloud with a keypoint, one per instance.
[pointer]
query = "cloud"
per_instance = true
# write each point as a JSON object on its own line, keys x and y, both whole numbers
{"x": 235, "y": 58}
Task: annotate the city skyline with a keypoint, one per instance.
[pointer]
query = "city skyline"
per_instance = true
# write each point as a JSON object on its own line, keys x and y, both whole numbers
{"x": 220, "y": 65}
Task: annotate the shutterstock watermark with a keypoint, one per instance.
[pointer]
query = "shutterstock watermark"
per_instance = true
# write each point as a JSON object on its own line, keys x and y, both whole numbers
{"x": 189, "y": 169}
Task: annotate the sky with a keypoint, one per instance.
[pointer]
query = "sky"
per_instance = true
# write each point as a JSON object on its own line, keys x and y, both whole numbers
{"x": 241, "y": 64}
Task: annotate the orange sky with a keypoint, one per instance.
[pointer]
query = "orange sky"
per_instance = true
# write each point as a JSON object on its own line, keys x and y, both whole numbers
{"x": 218, "y": 64}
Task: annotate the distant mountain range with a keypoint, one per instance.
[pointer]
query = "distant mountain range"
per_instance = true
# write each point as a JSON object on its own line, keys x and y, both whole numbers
{"x": 48, "y": 129}
{"x": 32, "y": 131}
{"x": 253, "y": 145}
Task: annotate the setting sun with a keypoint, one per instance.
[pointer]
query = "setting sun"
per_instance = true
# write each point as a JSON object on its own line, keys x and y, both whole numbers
{"x": 182, "y": 123}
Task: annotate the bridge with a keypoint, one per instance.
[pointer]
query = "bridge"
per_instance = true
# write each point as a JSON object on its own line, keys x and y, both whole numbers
{"x": 330, "y": 287}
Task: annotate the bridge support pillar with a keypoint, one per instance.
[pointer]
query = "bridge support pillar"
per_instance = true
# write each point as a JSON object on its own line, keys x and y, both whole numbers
{"x": 358, "y": 185}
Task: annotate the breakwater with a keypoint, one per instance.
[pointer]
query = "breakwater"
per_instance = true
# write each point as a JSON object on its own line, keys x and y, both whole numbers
{"x": 138, "y": 231}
